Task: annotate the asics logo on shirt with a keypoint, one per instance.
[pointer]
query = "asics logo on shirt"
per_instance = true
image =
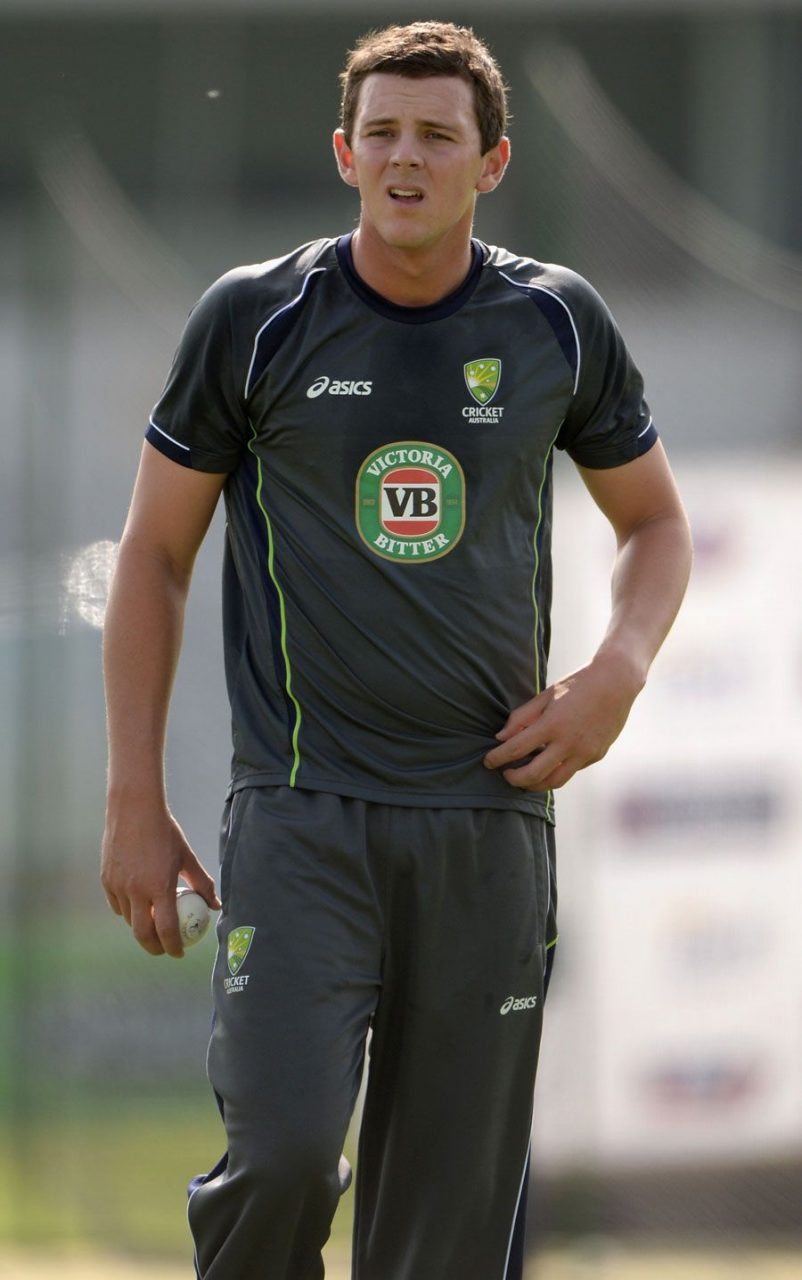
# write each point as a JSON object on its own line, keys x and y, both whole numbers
{"x": 338, "y": 388}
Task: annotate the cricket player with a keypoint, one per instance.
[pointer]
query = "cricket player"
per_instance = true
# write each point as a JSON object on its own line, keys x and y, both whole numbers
{"x": 380, "y": 410}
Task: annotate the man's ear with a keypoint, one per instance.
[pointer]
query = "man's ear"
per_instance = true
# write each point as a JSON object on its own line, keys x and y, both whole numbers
{"x": 495, "y": 164}
{"x": 345, "y": 159}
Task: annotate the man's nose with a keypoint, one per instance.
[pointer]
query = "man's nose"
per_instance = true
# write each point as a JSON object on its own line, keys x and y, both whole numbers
{"x": 407, "y": 151}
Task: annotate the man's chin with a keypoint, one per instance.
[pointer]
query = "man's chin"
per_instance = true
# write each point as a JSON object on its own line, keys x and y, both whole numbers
{"x": 407, "y": 239}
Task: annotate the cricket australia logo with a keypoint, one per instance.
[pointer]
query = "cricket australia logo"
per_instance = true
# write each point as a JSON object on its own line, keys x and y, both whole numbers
{"x": 410, "y": 501}
{"x": 482, "y": 378}
{"x": 239, "y": 944}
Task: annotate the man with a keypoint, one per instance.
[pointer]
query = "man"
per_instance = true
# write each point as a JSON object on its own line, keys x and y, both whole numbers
{"x": 381, "y": 411}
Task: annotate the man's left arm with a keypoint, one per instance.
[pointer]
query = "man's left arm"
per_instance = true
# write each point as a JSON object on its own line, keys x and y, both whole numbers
{"x": 575, "y": 721}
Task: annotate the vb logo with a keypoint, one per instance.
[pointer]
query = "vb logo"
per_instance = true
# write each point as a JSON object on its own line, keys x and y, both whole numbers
{"x": 410, "y": 501}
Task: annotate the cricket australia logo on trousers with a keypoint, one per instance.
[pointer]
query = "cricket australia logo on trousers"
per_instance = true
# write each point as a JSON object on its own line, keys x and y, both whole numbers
{"x": 239, "y": 944}
{"x": 410, "y": 501}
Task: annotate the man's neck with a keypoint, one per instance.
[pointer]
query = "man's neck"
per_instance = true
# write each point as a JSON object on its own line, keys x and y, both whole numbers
{"x": 410, "y": 277}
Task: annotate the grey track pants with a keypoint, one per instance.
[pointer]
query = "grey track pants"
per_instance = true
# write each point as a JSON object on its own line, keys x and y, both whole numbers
{"x": 428, "y": 926}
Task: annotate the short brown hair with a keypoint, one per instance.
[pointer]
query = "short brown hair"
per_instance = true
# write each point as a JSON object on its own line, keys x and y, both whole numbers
{"x": 429, "y": 49}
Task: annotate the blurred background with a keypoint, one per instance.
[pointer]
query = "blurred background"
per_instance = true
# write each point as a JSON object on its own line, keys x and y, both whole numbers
{"x": 149, "y": 145}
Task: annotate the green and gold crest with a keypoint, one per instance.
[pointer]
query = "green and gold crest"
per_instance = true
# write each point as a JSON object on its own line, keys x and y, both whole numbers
{"x": 239, "y": 944}
{"x": 482, "y": 378}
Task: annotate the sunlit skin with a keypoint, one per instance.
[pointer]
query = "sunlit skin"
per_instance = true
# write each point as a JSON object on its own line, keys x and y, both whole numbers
{"x": 416, "y": 158}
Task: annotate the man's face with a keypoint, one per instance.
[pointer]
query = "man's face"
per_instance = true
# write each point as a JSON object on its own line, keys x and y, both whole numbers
{"x": 415, "y": 156}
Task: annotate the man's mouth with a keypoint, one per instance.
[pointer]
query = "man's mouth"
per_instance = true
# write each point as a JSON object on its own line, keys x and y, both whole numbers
{"x": 406, "y": 195}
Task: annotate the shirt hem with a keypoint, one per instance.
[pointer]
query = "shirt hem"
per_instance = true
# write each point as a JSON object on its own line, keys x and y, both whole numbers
{"x": 538, "y": 803}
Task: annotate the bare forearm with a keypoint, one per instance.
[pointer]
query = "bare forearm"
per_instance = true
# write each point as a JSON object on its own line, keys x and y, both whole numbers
{"x": 574, "y": 722}
{"x": 649, "y": 581}
{"x": 142, "y": 641}
{"x": 144, "y": 849}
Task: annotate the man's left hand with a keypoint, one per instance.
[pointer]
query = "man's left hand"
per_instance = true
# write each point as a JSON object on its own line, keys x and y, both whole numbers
{"x": 568, "y": 726}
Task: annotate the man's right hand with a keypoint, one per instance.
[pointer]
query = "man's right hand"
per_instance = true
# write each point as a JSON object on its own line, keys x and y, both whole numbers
{"x": 144, "y": 852}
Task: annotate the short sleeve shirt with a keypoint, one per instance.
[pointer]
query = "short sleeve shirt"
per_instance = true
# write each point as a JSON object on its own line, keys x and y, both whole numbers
{"x": 387, "y": 579}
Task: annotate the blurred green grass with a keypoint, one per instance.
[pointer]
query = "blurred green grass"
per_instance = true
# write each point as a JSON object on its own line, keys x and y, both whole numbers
{"x": 105, "y": 1113}
{"x": 113, "y": 1175}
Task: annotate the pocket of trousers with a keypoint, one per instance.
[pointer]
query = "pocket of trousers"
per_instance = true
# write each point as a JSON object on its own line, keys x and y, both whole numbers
{"x": 231, "y": 827}
{"x": 544, "y": 884}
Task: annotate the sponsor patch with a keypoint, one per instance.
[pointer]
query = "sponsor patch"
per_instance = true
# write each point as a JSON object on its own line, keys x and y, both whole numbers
{"x": 410, "y": 501}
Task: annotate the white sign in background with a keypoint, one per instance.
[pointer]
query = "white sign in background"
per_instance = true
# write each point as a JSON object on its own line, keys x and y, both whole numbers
{"x": 674, "y": 1029}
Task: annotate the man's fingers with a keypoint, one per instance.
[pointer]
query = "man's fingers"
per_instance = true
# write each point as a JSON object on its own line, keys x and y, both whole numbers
{"x": 522, "y": 717}
{"x": 546, "y": 772}
{"x": 165, "y": 919}
{"x": 144, "y": 929}
{"x": 535, "y": 774}
{"x": 143, "y": 889}
{"x": 518, "y": 747}
{"x": 155, "y": 927}
{"x": 116, "y": 897}
{"x": 113, "y": 902}
{"x": 198, "y": 878}
{"x": 559, "y": 776}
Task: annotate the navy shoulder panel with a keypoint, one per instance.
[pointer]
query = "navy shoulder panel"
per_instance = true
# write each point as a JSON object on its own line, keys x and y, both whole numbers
{"x": 524, "y": 275}
{"x": 559, "y": 317}
{"x": 272, "y": 332}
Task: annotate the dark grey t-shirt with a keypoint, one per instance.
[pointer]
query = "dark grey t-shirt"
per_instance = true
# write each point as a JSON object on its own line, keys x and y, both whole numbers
{"x": 387, "y": 577}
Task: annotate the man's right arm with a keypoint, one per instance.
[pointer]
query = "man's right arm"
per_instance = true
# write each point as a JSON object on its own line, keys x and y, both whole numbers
{"x": 144, "y": 849}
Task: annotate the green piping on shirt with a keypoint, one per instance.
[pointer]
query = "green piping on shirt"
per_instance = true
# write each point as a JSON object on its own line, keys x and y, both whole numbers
{"x": 296, "y": 755}
{"x": 538, "y": 673}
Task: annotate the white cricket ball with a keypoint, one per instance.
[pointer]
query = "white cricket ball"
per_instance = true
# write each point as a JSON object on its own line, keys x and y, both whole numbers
{"x": 194, "y": 916}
